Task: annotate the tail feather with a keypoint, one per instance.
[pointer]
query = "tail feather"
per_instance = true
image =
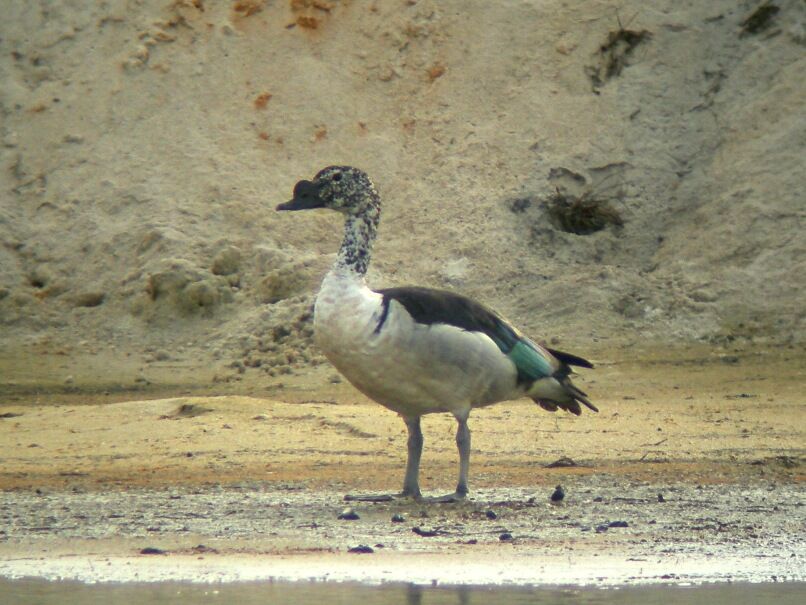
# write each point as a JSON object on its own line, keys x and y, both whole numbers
{"x": 579, "y": 395}
{"x": 569, "y": 359}
{"x": 546, "y": 405}
{"x": 560, "y": 393}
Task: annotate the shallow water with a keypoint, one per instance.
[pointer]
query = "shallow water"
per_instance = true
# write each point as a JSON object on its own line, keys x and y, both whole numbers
{"x": 39, "y": 592}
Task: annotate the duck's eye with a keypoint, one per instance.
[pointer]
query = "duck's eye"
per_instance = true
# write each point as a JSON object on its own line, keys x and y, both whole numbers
{"x": 337, "y": 177}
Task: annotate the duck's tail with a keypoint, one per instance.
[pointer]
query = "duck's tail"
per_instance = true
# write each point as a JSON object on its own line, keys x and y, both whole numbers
{"x": 557, "y": 391}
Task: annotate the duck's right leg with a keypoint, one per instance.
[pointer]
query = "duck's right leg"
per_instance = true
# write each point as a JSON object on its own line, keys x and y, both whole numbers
{"x": 411, "y": 482}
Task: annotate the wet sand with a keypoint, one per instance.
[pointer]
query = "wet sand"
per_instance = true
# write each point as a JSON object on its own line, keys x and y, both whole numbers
{"x": 692, "y": 472}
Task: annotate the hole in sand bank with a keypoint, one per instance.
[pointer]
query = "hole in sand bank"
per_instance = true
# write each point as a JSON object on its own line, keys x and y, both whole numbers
{"x": 582, "y": 215}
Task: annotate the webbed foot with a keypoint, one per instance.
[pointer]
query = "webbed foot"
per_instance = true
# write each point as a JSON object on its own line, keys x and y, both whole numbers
{"x": 446, "y": 499}
{"x": 382, "y": 497}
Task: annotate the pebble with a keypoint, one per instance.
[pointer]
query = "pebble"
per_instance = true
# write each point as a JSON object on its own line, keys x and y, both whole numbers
{"x": 398, "y": 518}
{"x": 505, "y": 537}
{"x": 490, "y": 514}
{"x": 348, "y": 514}
{"x": 361, "y": 549}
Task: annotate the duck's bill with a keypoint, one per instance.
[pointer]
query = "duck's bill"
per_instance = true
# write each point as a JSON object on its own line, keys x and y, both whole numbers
{"x": 306, "y": 197}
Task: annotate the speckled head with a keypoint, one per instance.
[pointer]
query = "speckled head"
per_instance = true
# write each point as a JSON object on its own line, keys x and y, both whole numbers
{"x": 342, "y": 188}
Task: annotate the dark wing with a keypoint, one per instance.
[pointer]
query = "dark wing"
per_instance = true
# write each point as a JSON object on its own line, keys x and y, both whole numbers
{"x": 428, "y": 306}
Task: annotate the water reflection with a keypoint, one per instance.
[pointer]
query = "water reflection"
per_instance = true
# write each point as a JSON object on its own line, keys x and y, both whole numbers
{"x": 40, "y": 592}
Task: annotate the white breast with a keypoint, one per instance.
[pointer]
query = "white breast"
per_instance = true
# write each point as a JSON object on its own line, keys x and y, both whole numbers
{"x": 408, "y": 367}
{"x": 345, "y": 316}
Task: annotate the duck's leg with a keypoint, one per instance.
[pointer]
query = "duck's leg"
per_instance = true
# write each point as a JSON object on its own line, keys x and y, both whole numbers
{"x": 463, "y": 445}
{"x": 411, "y": 482}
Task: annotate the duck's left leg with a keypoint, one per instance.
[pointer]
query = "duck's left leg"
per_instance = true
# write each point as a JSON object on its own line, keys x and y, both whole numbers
{"x": 463, "y": 445}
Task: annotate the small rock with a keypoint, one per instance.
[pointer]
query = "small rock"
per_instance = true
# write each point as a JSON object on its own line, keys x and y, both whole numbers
{"x": 618, "y": 524}
{"x": 150, "y": 550}
{"x": 600, "y": 529}
{"x": 425, "y": 533}
{"x": 661, "y": 498}
{"x": 558, "y": 495}
{"x": 505, "y": 537}
{"x": 563, "y": 462}
{"x": 348, "y": 514}
{"x": 398, "y": 518}
{"x": 361, "y": 549}
{"x": 490, "y": 514}
{"x": 188, "y": 410}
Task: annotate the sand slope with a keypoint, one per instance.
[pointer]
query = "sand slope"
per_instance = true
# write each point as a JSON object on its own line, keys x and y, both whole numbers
{"x": 144, "y": 148}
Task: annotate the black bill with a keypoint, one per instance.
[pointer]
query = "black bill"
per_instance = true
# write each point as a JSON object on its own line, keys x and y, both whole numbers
{"x": 306, "y": 196}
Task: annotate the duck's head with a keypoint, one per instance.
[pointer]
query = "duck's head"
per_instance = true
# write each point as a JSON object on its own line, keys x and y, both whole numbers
{"x": 342, "y": 188}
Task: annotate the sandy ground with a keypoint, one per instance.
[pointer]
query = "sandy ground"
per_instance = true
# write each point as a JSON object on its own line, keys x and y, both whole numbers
{"x": 240, "y": 487}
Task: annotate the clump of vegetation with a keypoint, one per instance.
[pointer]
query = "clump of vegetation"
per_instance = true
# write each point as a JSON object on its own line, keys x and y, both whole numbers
{"x": 614, "y": 54}
{"x": 582, "y": 215}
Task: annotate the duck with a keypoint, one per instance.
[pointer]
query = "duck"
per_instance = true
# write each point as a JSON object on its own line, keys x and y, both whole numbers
{"x": 418, "y": 350}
